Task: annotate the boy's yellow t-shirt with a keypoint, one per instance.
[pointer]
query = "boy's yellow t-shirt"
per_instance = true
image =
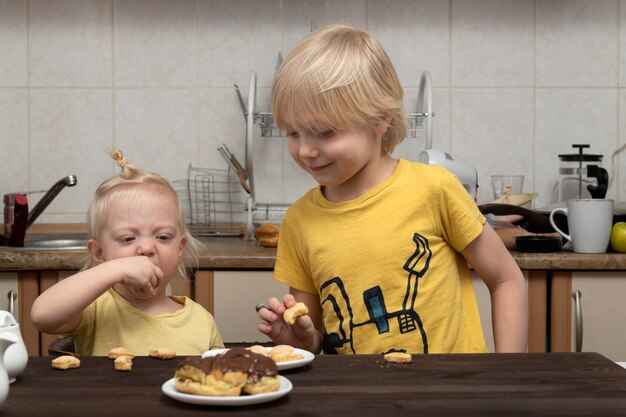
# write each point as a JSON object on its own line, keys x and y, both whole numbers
{"x": 110, "y": 322}
{"x": 386, "y": 265}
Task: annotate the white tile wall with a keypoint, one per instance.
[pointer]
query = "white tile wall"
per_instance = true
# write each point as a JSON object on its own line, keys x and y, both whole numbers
{"x": 515, "y": 84}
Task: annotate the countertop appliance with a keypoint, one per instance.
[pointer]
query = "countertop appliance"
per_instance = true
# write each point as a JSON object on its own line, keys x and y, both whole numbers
{"x": 466, "y": 173}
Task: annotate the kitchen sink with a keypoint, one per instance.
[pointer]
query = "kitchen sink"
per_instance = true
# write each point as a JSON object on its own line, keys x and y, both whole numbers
{"x": 54, "y": 241}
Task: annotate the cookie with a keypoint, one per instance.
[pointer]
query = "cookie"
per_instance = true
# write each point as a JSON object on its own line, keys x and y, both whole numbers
{"x": 123, "y": 363}
{"x": 162, "y": 353}
{"x": 261, "y": 350}
{"x": 284, "y": 353}
{"x": 120, "y": 351}
{"x": 291, "y": 314}
{"x": 398, "y": 357}
{"x": 65, "y": 362}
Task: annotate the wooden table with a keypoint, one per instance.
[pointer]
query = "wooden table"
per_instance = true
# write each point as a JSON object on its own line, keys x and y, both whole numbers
{"x": 531, "y": 384}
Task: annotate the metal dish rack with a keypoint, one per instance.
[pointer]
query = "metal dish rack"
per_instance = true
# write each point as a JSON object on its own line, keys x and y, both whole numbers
{"x": 414, "y": 125}
{"x": 212, "y": 202}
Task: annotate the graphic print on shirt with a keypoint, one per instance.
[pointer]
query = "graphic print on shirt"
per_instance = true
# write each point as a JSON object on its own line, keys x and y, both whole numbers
{"x": 403, "y": 317}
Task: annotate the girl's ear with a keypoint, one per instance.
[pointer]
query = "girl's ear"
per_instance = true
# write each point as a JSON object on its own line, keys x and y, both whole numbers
{"x": 95, "y": 250}
{"x": 183, "y": 243}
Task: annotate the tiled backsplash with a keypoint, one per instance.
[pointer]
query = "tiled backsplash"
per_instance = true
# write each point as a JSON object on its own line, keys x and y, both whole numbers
{"x": 515, "y": 84}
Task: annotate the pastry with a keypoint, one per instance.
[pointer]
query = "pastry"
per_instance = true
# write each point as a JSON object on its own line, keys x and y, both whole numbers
{"x": 261, "y": 350}
{"x": 120, "y": 351}
{"x": 236, "y": 371}
{"x": 123, "y": 363}
{"x": 162, "y": 353}
{"x": 267, "y": 235}
{"x": 284, "y": 353}
{"x": 291, "y": 314}
{"x": 65, "y": 362}
{"x": 398, "y": 357}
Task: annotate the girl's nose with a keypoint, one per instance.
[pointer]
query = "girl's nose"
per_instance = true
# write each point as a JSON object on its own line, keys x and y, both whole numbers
{"x": 146, "y": 247}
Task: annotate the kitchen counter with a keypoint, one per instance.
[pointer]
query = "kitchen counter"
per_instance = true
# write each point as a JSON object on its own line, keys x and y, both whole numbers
{"x": 219, "y": 253}
{"x": 236, "y": 253}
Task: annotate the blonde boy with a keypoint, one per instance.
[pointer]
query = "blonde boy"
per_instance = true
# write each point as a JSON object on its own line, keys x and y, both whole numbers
{"x": 379, "y": 251}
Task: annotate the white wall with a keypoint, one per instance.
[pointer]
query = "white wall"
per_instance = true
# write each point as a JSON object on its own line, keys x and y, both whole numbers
{"x": 515, "y": 84}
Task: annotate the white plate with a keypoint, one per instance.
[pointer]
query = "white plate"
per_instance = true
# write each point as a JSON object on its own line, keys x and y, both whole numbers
{"x": 169, "y": 389}
{"x": 308, "y": 358}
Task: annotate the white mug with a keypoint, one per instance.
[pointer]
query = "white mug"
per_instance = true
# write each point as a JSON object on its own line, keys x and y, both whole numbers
{"x": 589, "y": 221}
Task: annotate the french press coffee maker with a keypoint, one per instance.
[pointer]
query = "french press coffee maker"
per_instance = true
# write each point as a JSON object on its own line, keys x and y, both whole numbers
{"x": 580, "y": 175}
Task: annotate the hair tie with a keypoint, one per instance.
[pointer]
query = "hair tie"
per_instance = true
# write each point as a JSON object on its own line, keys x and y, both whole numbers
{"x": 119, "y": 158}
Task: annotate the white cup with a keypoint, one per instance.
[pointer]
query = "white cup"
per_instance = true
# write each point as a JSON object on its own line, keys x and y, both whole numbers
{"x": 589, "y": 221}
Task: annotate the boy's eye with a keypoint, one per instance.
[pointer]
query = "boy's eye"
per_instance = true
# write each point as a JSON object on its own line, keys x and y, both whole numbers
{"x": 292, "y": 134}
{"x": 327, "y": 133}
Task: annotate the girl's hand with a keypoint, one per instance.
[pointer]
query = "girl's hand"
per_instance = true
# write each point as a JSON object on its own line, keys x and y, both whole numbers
{"x": 302, "y": 334}
{"x": 137, "y": 271}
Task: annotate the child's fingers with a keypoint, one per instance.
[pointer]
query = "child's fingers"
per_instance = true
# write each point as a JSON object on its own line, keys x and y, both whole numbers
{"x": 265, "y": 328}
{"x": 267, "y": 315}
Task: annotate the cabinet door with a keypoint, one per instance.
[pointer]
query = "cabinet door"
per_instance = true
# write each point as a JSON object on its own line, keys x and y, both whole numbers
{"x": 236, "y": 293}
{"x": 603, "y": 313}
{"x": 484, "y": 307}
{"x": 8, "y": 282}
{"x": 483, "y": 299}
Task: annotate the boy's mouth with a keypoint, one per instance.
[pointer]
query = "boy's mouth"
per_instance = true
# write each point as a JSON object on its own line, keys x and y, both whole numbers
{"x": 319, "y": 168}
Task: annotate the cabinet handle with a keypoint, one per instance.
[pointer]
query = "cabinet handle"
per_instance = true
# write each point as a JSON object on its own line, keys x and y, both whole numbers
{"x": 12, "y": 297}
{"x": 578, "y": 319}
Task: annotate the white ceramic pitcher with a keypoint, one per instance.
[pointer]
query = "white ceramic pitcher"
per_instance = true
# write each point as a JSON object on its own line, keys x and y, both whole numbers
{"x": 6, "y": 341}
{"x": 15, "y": 357}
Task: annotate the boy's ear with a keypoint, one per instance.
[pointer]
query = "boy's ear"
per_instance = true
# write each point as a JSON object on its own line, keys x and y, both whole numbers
{"x": 383, "y": 125}
{"x": 95, "y": 250}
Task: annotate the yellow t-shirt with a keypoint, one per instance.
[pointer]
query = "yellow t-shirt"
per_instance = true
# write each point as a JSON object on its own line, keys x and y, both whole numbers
{"x": 386, "y": 265}
{"x": 111, "y": 321}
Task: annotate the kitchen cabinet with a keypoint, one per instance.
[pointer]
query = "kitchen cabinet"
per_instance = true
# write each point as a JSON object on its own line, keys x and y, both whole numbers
{"x": 603, "y": 313}
{"x": 8, "y": 282}
{"x": 483, "y": 299}
{"x": 536, "y": 318}
{"x": 244, "y": 262}
{"x": 237, "y": 293}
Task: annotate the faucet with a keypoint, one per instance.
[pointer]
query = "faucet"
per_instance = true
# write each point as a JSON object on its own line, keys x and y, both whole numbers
{"x": 16, "y": 216}
{"x": 50, "y": 195}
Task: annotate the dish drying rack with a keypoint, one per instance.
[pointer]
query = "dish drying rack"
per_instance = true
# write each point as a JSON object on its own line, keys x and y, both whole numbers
{"x": 415, "y": 120}
{"x": 212, "y": 202}
{"x": 265, "y": 120}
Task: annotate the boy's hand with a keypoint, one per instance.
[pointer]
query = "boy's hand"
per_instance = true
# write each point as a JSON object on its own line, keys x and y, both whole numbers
{"x": 301, "y": 334}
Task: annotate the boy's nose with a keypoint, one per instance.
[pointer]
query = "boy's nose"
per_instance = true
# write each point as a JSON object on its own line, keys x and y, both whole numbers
{"x": 306, "y": 149}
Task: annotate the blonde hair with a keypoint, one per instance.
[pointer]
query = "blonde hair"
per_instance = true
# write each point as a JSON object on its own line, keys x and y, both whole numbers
{"x": 132, "y": 183}
{"x": 336, "y": 77}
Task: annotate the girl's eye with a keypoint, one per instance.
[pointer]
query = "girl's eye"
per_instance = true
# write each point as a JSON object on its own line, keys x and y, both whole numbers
{"x": 164, "y": 237}
{"x": 126, "y": 239}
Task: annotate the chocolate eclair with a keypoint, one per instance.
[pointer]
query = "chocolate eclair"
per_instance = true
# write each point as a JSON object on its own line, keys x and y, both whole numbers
{"x": 227, "y": 374}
